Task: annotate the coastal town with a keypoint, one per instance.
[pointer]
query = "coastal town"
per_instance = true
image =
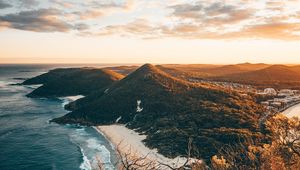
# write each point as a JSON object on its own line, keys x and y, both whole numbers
{"x": 280, "y": 100}
{"x": 150, "y": 85}
{"x": 276, "y": 100}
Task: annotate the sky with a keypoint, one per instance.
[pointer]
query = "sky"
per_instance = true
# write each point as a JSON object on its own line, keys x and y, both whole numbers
{"x": 150, "y": 31}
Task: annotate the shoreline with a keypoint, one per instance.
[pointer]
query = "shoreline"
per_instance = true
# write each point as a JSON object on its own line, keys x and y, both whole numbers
{"x": 89, "y": 162}
{"x": 293, "y": 111}
{"x": 127, "y": 141}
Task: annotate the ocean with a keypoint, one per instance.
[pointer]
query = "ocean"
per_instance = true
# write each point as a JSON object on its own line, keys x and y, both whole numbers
{"x": 29, "y": 141}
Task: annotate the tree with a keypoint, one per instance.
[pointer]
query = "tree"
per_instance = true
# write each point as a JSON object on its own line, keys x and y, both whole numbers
{"x": 285, "y": 139}
{"x": 283, "y": 152}
{"x": 130, "y": 160}
{"x": 242, "y": 156}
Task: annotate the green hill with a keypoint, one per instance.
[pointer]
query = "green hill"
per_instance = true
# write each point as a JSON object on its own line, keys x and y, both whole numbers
{"x": 276, "y": 76}
{"x": 169, "y": 111}
{"x": 206, "y": 71}
{"x": 72, "y": 81}
{"x": 260, "y": 75}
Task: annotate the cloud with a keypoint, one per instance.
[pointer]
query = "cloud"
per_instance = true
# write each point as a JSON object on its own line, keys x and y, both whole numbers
{"x": 4, "y": 5}
{"x": 81, "y": 27}
{"x": 29, "y": 3}
{"x": 187, "y": 10}
{"x": 275, "y": 3}
{"x": 273, "y": 31}
{"x": 198, "y": 19}
{"x": 64, "y": 4}
{"x": 42, "y": 20}
{"x": 144, "y": 29}
{"x": 215, "y": 13}
{"x": 65, "y": 17}
{"x": 231, "y": 20}
{"x": 128, "y": 4}
{"x": 139, "y": 27}
{"x": 89, "y": 14}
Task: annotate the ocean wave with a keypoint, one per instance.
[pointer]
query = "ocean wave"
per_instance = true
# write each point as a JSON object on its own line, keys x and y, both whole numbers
{"x": 9, "y": 114}
{"x": 68, "y": 99}
{"x": 85, "y": 165}
{"x": 111, "y": 144}
{"x": 92, "y": 150}
{"x": 34, "y": 86}
{"x": 6, "y": 133}
{"x": 7, "y": 86}
{"x": 3, "y": 84}
{"x": 101, "y": 154}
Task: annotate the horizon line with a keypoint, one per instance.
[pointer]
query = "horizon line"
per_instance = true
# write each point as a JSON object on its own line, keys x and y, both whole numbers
{"x": 150, "y": 63}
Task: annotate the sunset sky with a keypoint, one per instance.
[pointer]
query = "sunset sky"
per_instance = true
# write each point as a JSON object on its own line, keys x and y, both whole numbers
{"x": 155, "y": 31}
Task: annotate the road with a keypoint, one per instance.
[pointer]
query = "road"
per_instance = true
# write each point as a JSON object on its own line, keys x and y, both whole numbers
{"x": 292, "y": 111}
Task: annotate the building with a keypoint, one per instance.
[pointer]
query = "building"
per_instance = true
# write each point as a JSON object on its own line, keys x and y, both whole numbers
{"x": 286, "y": 92}
{"x": 265, "y": 103}
{"x": 276, "y": 104}
{"x": 296, "y": 92}
{"x": 270, "y": 91}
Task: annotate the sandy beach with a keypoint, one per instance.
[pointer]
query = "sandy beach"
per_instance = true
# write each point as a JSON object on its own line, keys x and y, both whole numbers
{"x": 293, "y": 111}
{"x": 130, "y": 141}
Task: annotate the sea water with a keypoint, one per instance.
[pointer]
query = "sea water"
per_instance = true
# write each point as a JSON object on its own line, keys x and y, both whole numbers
{"x": 29, "y": 141}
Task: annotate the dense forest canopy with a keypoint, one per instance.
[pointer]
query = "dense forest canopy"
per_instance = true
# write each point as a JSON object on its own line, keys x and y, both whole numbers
{"x": 171, "y": 103}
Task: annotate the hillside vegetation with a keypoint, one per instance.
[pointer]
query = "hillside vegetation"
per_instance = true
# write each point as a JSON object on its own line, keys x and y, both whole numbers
{"x": 72, "y": 81}
{"x": 170, "y": 110}
{"x": 276, "y": 76}
{"x": 259, "y": 75}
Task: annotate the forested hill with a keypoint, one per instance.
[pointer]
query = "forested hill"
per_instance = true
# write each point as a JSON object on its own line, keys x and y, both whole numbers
{"x": 72, "y": 81}
{"x": 276, "y": 76}
{"x": 169, "y": 111}
{"x": 259, "y": 75}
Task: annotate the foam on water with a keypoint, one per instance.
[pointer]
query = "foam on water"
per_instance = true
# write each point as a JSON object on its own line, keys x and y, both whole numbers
{"x": 85, "y": 165}
{"x": 6, "y": 85}
{"x": 68, "y": 99}
{"x": 92, "y": 149}
{"x": 29, "y": 141}
{"x": 111, "y": 145}
{"x": 35, "y": 86}
{"x": 3, "y": 84}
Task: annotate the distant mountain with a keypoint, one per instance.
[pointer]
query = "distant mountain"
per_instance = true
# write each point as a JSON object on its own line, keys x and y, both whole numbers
{"x": 72, "y": 81}
{"x": 183, "y": 73}
{"x": 190, "y": 67}
{"x": 170, "y": 110}
{"x": 207, "y": 70}
{"x": 124, "y": 70}
{"x": 200, "y": 72}
{"x": 260, "y": 75}
{"x": 52, "y": 75}
{"x": 252, "y": 67}
{"x": 295, "y": 68}
{"x": 279, "y": 76}
{"x": 224, "y": 70}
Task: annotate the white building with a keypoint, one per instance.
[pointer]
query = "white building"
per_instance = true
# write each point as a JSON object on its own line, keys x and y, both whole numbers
{"x": 276, "y": 104}
{"x": 270, "y": 91}
{"x": 286, "y": 92}
{"x": 265, "y": 103}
